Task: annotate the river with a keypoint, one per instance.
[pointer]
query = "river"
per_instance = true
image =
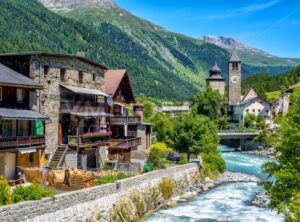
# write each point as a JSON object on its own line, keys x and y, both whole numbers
{"x": 228, "y": 202}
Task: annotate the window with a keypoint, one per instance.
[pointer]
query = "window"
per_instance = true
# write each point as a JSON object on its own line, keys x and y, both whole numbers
{"x": 235, "y": 66}
{"x": 0, "y": 94}
{"x": 46, "y": 70}
{"x": 62, "y": 74}
{"x": 80, "y": 77}
{"x": 20, "y": 95}
{"x": 259, "y": 110}
{"x": 253, "y": 110}
{"x": 31, "y": 157}
{"x": 247, "y": 110}
{"x": 94, "y": 77}
{"x": 267, "y": 111}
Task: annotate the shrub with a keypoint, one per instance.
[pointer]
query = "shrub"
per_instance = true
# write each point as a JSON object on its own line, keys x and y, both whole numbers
{"x": 6, "y": 196}
{"x": 166, "y": 187}
{"x": 157, "y": 155}
{"x": 121, "y": 176}
{"x": 213, "y": 164}
{"x": 183, "y": 160}
{"x": 110, "y": 179}
{"x": 33, "y": 192}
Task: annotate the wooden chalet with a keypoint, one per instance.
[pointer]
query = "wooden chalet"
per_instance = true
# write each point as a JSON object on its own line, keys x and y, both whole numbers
{"x": 127, "y": 116}
{"x": 22, "y": 130}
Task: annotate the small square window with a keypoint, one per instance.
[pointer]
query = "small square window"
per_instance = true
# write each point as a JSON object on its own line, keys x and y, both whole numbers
{"x": 259, "y": 110}
{"x": 46, "y": 70}
{"x": 247, "y": 110}
{"x": 94, "y": 77}
{"x": 62, "y": 74}
{"x": 80, "y": 75}
{"x": 253, "y": 110}
{"x": 0, "y": 93}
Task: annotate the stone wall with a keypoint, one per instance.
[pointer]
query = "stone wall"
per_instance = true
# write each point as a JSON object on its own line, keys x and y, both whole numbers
{"x": 80, "y": 205}
{"x": 48, "y": 99}
{"x": 218, "y": 85}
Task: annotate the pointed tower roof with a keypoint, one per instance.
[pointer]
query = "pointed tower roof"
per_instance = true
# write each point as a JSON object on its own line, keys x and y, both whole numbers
{"x": 234, "y": 57}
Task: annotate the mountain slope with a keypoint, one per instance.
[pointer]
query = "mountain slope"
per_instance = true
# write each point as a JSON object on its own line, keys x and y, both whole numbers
{"x": 29, "y": 26}
{"x": 250, "y": 55}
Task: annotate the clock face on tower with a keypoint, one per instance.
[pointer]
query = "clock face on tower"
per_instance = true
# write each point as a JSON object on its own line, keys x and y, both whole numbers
{"x": 234, "y": 79}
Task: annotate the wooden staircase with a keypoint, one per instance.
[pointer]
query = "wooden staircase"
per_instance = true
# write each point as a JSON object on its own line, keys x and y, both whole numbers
{"x": 59, "y": 156}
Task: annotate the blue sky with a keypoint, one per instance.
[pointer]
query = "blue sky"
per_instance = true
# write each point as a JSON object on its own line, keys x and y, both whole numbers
{"x": 270, "y": 25}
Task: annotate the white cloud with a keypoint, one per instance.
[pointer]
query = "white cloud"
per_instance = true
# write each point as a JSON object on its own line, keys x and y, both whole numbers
{"x": 246, "y": 10}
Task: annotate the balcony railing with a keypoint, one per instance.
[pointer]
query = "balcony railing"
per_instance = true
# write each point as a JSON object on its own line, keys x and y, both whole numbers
{"x": 90, "y": 139}
{"x": 125, "y": 143}
{"x": 125, "y": 120}
{"x": 21, "y": 141}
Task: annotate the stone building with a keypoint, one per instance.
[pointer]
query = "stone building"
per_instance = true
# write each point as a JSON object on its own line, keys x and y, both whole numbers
{"x": 216, "y": 80}
{"x": 73, "y": 98}
{"x": 131, "y": 137}
{"x": 284, "y": 100}
{"x": 22, "y": 130}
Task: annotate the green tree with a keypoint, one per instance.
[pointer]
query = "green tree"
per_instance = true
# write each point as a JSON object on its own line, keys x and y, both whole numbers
{"x": 210, "y": 103}
{"x": 194, "y": 134}
{"x": 284, "y": 191}
{"x": 162, "y": 125}
{"x": 249, "y": 121}
{"x": 6, "y": 196}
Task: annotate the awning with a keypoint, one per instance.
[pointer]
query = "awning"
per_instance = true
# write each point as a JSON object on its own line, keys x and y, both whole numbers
{"x": 91, "y": 114}
{"x": 18, "y": 114}
{"x": 27, "y": 150}
{"x": 79, "y": 90}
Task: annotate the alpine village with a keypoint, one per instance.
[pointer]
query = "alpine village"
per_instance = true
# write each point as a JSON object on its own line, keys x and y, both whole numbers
{"x": 105, "y": 116}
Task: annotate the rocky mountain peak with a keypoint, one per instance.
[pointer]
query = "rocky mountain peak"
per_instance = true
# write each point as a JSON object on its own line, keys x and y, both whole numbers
{"x": 69, "y": 5}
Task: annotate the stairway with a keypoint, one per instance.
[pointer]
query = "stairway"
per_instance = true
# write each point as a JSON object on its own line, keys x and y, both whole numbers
{"x": 58, "y": 157}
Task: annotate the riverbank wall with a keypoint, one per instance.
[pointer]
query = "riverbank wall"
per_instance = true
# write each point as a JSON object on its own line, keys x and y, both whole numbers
{"x": 101, "y": 202}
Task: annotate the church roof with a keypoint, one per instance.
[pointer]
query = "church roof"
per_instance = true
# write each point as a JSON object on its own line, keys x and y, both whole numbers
{"x": 234, "y": 57}
{"x": 215, "y": 73}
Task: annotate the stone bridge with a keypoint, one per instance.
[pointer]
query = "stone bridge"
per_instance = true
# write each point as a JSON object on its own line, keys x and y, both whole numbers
{"x": 238, "y": 134}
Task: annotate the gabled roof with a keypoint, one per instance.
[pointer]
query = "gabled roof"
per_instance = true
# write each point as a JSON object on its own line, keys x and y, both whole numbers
{"x": 113, "y": 79}
{"x": 9, "y": 77}
{"x": 248, "y": 95}
{"x": 9, "y": 114}
{"x": 254, "y": 98}
{"x": 234, "y": 57}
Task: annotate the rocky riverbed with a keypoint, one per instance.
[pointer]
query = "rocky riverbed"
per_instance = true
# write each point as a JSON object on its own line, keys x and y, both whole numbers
{"x": 267, "y": 152}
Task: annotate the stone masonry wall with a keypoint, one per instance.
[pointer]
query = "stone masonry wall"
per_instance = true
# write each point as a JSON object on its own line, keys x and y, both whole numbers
{"x": 79, "y": 205}
{"x": 48, "y": 99}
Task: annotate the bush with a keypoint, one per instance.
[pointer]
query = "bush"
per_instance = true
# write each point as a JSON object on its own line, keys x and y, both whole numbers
{"x": 6, "y": 196}
{"x": 166, "y": 187}
{"x": 157, "y": 155}
{"x": 110, "y": 179}
{"x": 121, "y": 176}
{"x": 183, "y": 160}
{"x": 213, "y": 164}
{"x": 33, "y": 192}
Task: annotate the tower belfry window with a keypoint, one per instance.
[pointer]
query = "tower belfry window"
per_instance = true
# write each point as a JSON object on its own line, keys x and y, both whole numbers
{"x": 235, "y": 66}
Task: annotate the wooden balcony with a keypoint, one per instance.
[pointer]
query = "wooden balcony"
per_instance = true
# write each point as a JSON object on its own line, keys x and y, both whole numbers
{"x": 89, "y": 140}
{"x": 125, "y": 143}
{"x": 125, "y": 120}
{"x": 21, "y": 141}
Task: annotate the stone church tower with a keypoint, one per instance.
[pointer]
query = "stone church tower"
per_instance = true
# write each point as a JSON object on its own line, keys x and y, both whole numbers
{"x": 216, "y": 80}
{"x": 234, "y": 79}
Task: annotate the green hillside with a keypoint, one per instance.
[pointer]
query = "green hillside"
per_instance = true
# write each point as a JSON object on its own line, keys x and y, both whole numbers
{"x": 269, "y": 86}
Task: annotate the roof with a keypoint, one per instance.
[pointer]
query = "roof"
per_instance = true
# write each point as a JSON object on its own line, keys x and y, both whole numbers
{"x": 10, "y": 114}
{"x": 250, "y": 100}
{"x": 234, "y": 57}
{"x": 292, "y": 87}
{"x": 247, "y": 94}
{"x": 54, "y": 54}
{"x": 10, "y": 77}
{"x": 113, "y": 79}
{"x": 175, "y": 108}
{"x": 215, "y": 73}
{"x": 79, "y": 90}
